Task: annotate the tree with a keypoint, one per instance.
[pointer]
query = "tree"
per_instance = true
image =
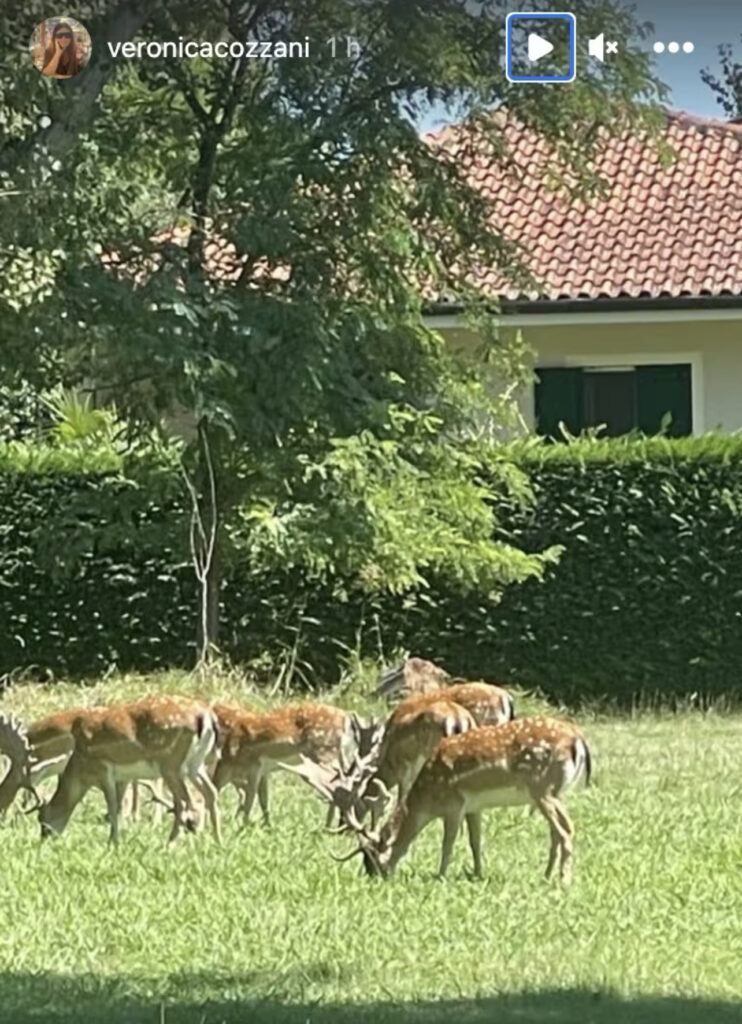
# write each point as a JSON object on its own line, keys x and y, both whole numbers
{"x": 252, "y": 241}
{"x": 727, "y": 87}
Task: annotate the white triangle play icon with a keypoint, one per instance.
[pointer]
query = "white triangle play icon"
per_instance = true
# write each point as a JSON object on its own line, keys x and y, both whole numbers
{"x": 538, "y": 47}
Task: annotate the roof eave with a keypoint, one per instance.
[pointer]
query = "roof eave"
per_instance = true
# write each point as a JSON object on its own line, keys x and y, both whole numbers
{"x": 598, "y": 305}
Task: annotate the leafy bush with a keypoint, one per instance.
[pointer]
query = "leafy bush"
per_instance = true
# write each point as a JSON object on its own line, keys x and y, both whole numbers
{"x": 92, "y": 562}
{"x": 646, "y": 599}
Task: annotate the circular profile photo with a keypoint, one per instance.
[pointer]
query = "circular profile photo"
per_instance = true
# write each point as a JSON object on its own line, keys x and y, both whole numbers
{"x": 60, "y": 47}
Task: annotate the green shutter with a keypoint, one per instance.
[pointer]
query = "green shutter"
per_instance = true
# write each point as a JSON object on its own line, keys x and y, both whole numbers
{"x": 664, "y": 389}
{"x": 559, "y": 396}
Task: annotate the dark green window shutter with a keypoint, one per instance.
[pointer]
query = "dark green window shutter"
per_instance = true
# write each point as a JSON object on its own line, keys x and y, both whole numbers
{"x": 559, "y": 396}
{"x": 662, "y": 389}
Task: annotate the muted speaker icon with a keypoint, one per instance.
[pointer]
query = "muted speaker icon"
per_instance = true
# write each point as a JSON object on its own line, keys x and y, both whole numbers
{"x": 598, "y": 47}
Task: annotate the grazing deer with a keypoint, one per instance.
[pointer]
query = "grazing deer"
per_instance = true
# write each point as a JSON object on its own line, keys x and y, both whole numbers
{"x": 532, "y": 760}
{"x": 255, "y": 743}
{"x": 416, "y": 678}
{"x": 37, "y": 752}
{"x": 167, "y": 737}
{"x": 411, "y": 734}
{"x": 488, "y": 704}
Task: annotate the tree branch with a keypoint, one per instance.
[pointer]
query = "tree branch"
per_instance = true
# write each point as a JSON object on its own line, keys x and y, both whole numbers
{"x": 83, "y": 92}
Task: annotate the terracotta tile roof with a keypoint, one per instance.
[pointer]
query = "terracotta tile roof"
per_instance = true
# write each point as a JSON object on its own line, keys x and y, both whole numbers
{"x": 659, "y": 231}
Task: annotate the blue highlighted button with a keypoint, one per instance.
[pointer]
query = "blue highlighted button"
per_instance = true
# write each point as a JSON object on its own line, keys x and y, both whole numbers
{"x": 532, "y": 38}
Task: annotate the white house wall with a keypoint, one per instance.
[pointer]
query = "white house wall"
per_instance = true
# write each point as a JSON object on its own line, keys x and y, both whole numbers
{"x": 713, "y": 347}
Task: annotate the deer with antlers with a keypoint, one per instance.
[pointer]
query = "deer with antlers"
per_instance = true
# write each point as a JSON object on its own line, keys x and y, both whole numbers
{"x": 35, "y": 753}
{"x": 414, "y": 730}
{"x": 528, "y": 760}
{"x": 163, "y": 737}
{"x": 255, "y": 743}
{"x": 396, "y": 754}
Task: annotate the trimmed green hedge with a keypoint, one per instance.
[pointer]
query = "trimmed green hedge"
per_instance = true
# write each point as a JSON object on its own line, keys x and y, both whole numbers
{"x": 92, "y": 570}
{"x": 647, "y": 598}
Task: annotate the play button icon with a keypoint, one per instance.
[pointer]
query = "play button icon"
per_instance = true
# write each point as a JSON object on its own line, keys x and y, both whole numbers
{"x": 538, "y": 47}
{"x": 532, "y": 38}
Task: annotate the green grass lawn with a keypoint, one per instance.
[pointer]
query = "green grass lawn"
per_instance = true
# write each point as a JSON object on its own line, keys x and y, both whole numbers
{"x": 269, "y": 928}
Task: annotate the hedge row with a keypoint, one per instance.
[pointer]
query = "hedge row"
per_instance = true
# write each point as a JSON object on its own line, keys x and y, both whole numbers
{"x": 647, "y": 597}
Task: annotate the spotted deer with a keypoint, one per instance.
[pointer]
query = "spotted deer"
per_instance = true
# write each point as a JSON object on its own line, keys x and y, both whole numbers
{"x": 163, "y": 737}
{"x": 528, "y": 760}
{"x": 41, "y": 751}
{"x": 410, "y": 735}
{"x": 255, "y": 743}
{"x": 419, "y": 678}
{"x": 487, "y": 703}
{"x": 36, "y": 752}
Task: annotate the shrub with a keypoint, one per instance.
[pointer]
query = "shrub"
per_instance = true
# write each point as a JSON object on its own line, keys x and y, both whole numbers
{"x": 646, "y": 599}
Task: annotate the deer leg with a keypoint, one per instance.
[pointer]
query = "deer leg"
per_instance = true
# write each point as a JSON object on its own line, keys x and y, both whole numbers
{"x": 568, "y": 831}
{"x": 559, "y": 838}
{"x": 451, "y": 824}
{"x": 263, "y": 799}
{"x": 112, "y": 792}
{"x": 474, "y": 828}
{"x": 207, "y": 789}
{"x": 181, "y": 803}
{"x": 251, "y": 790}
{"x": 121, "y": 788}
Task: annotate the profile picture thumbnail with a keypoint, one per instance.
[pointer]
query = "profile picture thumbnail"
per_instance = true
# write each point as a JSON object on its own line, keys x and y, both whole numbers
{"x": 60, "y": 47}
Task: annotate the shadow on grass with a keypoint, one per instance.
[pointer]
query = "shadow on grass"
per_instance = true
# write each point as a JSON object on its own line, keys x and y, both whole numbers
{"x": 52, "y": 999}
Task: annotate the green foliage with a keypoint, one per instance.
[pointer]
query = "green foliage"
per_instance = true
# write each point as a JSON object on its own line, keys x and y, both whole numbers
{"x": 727, "y": 87}
{"x": 91, "y": 546}
{"x": 646, "y": 599}
{"x": 249, "y": 242}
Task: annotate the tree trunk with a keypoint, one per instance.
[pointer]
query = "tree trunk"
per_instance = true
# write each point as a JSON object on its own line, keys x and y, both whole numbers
{"x": 205, "y": 534}
{"x": 209, "y": 620}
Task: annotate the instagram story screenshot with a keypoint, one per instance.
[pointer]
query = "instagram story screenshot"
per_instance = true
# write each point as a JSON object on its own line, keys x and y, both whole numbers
{"x": 370, "y": 460}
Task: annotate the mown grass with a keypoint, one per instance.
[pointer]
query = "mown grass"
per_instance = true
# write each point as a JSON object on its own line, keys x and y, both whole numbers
{"x": 269, "y": 928}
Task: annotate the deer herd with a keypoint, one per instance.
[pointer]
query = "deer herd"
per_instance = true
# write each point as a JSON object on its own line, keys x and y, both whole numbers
{"x": 449, "y": 749}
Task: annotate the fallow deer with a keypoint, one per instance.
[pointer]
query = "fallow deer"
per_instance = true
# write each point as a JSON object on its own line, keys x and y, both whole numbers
{"x": 162, "y": 737}
{"x": 528, "y": 760}
{"x": 419, "y": 678}
{"x": 36, "y": 752}
{"x": 414, "y": 675}
{"x": 488, "y": 704}
{"x": 411, "y": 734}
{"x": 255, "y": 743}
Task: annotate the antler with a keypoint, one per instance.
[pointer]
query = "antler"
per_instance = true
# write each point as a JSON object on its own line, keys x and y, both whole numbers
{"x": 319, "y": 778}
{"x": 14, "y": 742}
{"x": 389, "y": 681}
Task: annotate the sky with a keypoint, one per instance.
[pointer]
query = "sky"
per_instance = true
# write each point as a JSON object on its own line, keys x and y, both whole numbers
{"x": 705, "y": 23}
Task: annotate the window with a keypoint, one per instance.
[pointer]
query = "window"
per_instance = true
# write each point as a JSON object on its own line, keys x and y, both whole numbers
{"x": 624, "y": 398}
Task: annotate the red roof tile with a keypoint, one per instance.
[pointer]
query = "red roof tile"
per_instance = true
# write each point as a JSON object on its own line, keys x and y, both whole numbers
{"x": 658, "y": 231}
